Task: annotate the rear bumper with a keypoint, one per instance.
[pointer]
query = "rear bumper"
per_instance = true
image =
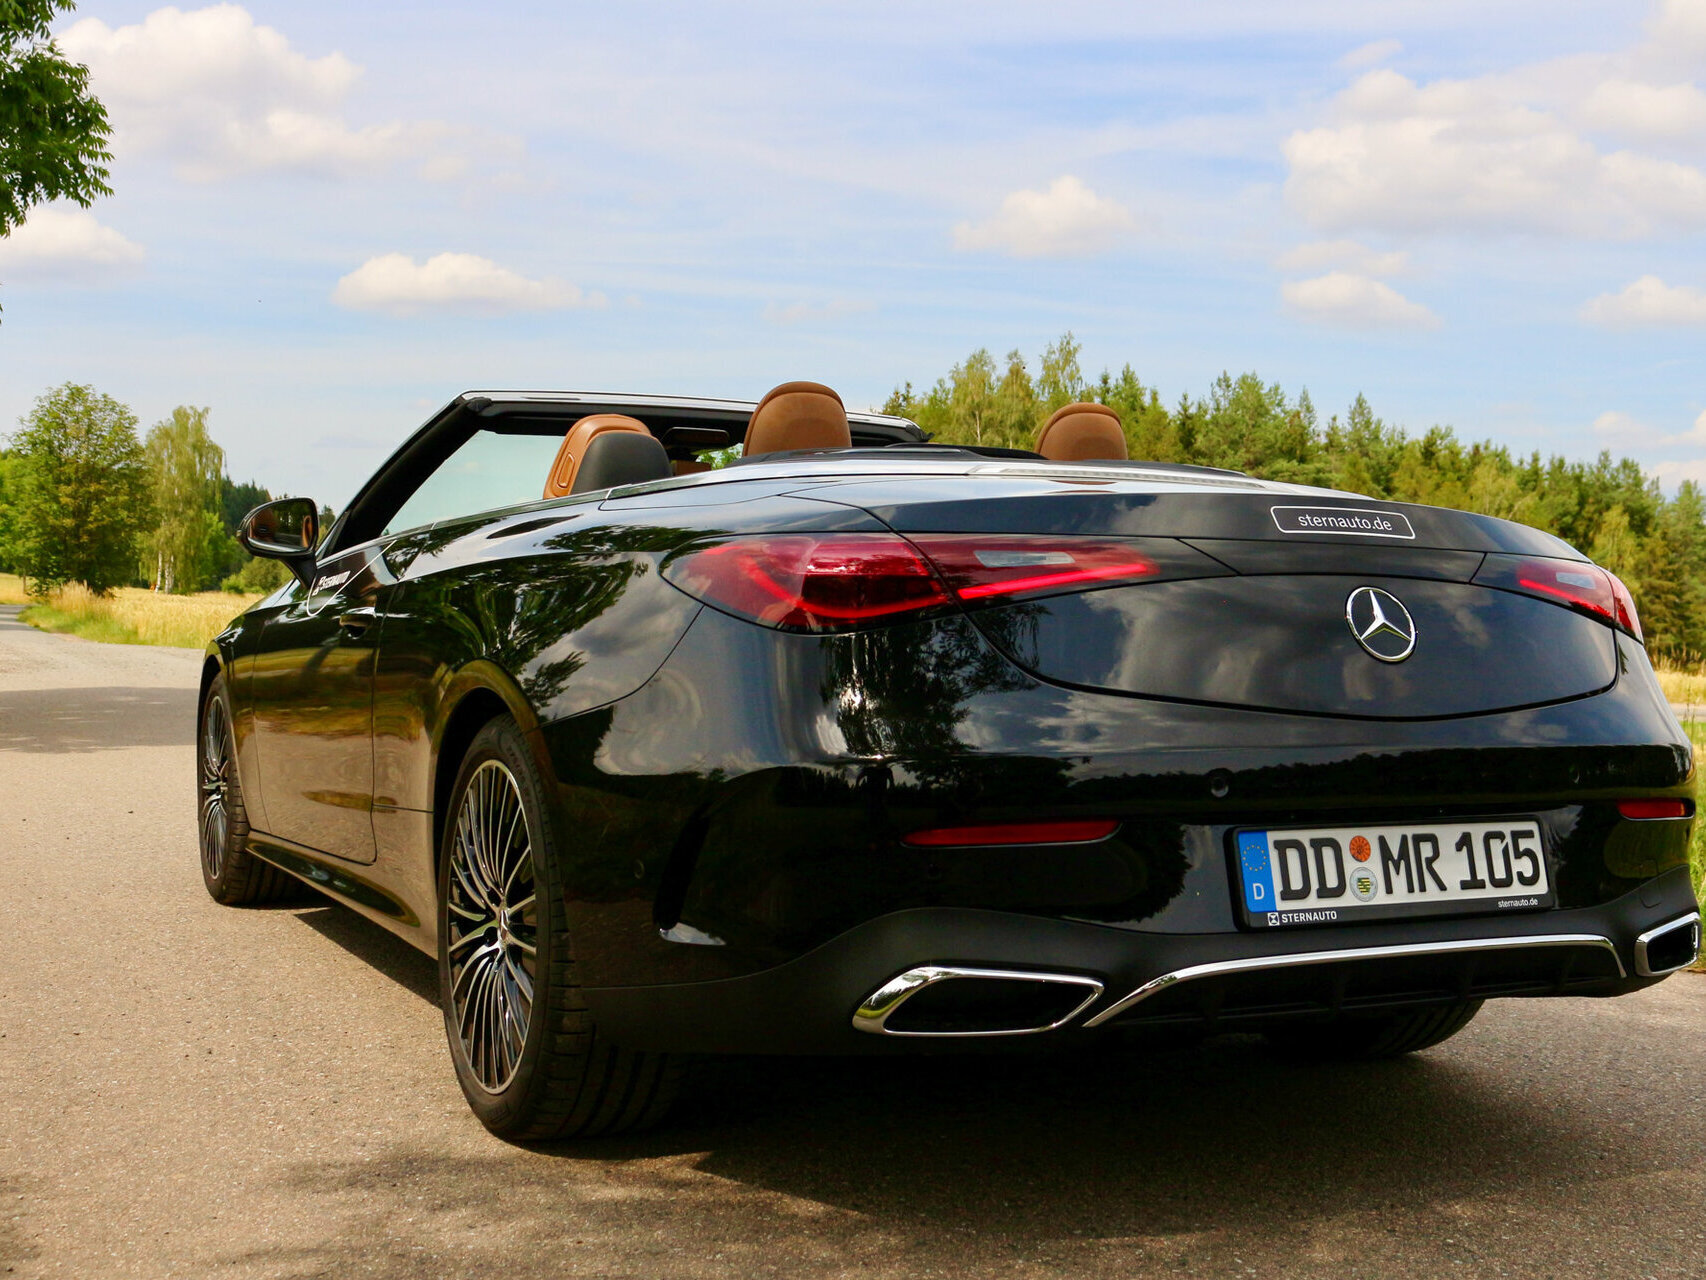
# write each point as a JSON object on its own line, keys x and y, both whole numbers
{"x": 738, "y": 874}
{"x": 1199, "y": 982}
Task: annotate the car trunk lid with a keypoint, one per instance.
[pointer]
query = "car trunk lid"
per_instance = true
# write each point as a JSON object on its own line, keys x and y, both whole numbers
{"x": 1285, "y": 614}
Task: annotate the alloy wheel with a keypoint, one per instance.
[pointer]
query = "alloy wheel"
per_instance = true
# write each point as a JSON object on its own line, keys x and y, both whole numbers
{"x": 493, "y": 925}
{"x": 216, "y": 779}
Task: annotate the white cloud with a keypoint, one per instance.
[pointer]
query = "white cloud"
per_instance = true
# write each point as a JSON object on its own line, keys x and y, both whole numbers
{"x": 1067, "y": 221}
{"x": 1620, "y": 430}
{"x": 1680, "y": 27}
{"x": 1347, "y": 300}
{"x": 395, "y": 283}
{"x": 1640, "y": 110}
{"x": 61, "y": 241}
{"x": 1479, "y": 155}
{"x": 1672, "y": 473}
{"x": 808, "y": 313}
{"x": 1370, "y": 54}
{"x": 1346, "y": 255}
{"x": 1648, "y": 301}
{"x": 224, "y": 95}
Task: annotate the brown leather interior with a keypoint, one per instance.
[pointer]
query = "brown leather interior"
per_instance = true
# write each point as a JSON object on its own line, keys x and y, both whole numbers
{"x": 1082, "y": 432}
{"x": 561, "y": 481}
{"x": 798, "y": 415}
{"x": 689, "y": 466}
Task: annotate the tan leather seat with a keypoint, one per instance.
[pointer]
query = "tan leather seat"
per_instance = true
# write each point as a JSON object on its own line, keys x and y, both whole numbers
{"x": 797, "y": 415}
{"x": 1082, "y": 432}
{"x": 689, "y": 466}
{"x": 572, "y": 452}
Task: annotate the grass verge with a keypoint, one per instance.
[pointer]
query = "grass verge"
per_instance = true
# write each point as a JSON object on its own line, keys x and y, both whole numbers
{"x": 1697, "y": 844}
{"x": 12, "y": 589}
{"x": 1682, "y": 688}
{"x": 134, "y": 616}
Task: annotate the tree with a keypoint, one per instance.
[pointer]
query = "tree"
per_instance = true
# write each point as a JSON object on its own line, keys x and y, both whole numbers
{"x": 53, "y": 132}
{"x": 81, "y": 491}
{"x": 971, "y": 399}
{"x": 186, "y": 473}
{"x": 8, "y": 470}
{"x": 1061, "y": 380}
{"x": 237, "y": 500}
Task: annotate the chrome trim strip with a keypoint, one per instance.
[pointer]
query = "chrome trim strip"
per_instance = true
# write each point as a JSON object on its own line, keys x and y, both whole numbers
{"x": 1689, "y": 921}
{"x": 1218, "y": 967}
{"x": 873, "y": 1013}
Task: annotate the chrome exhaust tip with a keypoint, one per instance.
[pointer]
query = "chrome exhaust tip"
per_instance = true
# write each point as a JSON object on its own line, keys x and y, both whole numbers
{"x": 1668, "y": 947}
{"x": 962, "y": 1003}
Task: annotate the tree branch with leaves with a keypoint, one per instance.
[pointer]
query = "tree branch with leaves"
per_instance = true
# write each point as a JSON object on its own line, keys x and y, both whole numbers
{"x": 53, "y": 131}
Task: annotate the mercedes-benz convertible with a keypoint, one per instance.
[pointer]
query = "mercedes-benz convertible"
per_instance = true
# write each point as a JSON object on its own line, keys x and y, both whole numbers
{"x": 676, "y": 727}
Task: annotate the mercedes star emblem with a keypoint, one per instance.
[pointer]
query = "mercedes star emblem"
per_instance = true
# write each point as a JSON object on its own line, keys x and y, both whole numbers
{"x": 1381, "y": 624}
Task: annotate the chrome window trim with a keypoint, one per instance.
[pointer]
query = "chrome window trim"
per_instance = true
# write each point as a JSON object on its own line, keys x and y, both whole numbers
{"x": 873, "y": 1012}
{"x": 1646, "y": 939}
{"x": 1298, "y": 959}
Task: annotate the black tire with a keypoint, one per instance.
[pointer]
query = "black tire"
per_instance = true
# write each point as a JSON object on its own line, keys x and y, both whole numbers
{"x": 232, "y": 874}
{"x": 1377, "y": 1037}
{"x": 564, "y": 1079}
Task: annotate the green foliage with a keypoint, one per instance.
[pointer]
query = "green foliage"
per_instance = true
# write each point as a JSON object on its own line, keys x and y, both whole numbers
{"x": 237, "y": 500}
{"x": 257, "y": 577}
{"x": 53, "y": 132}
{"x": 189, "y": 546}
{"x": 1608, "y": 508}
{"x": 9, "y": 466}
{"x": 80, "y": 494}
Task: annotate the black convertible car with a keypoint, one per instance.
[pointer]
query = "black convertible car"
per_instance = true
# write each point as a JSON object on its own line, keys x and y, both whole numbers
{"x": 857, "y": 743}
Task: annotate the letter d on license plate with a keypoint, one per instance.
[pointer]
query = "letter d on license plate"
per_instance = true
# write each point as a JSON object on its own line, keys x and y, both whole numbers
{"x": 1340, "y": 875}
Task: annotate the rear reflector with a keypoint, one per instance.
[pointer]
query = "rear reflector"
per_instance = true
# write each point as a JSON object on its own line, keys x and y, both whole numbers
{"x": 1075, "y": 832}
{"x": 1574, "y": 584}
{"x": 1654, "y": 808}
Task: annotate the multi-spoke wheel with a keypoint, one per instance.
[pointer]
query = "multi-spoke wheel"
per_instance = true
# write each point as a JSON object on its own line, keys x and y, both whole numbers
{"x": 493, "y": 916}
{"x": 215, "y": 788}
{"x": 529, "y": 1059}
{"x": 233, "y": 875}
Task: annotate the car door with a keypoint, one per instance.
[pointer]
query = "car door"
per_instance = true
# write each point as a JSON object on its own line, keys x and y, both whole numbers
{"x": 311, "y": 692}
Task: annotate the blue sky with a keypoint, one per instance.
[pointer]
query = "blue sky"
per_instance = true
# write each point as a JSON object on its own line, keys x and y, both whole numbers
{"x": 330, "y": 218}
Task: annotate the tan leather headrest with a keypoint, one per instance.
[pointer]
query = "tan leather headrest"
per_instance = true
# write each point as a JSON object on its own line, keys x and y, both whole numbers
{"x": 561, "y": 481}
{"x": 1081, "y": 432}
{"x": 797, "y": 415}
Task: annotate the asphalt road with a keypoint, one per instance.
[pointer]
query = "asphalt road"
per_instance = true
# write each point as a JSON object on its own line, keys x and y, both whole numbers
{"x": 191, "y": 1090}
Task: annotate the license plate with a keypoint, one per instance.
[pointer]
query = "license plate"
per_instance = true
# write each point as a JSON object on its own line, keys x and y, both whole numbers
{"x": 1335, "y": 875}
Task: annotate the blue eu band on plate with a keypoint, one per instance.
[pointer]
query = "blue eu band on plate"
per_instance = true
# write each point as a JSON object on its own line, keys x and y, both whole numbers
{"x": 1323, "y": 875}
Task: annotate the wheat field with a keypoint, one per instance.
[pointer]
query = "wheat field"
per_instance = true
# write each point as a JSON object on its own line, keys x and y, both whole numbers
{"x": 131, "y": 615}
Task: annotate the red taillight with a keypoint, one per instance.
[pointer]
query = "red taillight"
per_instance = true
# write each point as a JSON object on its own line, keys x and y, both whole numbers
{"x": 810, "y": 581}
{"x": 982, "y": 567}
{"x": 1654, "y": 808}
{"x": 1079, "y": 831}
{"x": 1584, "y": 587}
{"x": 1627, "y": 618}
{"x": 836, "y": 581}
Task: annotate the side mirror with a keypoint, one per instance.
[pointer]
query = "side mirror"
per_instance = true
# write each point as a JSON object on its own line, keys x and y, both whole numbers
{"x": 287, "y": 530}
